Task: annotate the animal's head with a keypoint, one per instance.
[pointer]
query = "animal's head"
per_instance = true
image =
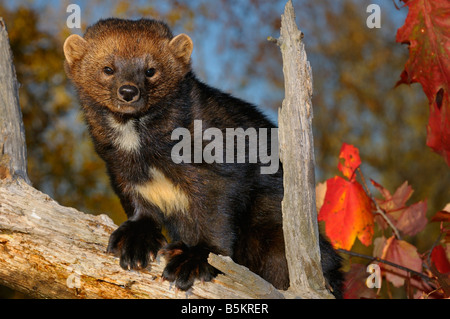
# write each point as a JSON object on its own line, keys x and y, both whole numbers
{"x": 127, "y": 65}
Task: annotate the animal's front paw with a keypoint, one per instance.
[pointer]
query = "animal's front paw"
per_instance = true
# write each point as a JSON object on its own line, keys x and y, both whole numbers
{"x": 136, "y": 242}
{"x": 185, "y": 264}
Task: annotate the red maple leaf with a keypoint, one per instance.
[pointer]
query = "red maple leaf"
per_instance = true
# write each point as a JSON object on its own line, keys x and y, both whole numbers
{"x": 347, "y": 213}
{"x": 349, "y": 160}
{"x": 440, "y": 260}
{"x": 408, "y": 219}
{"x": 400, "y": 253}
{"x": 346, "y": 208}
{"x": 427, "y": 32}
{"x": 443, "y": 215}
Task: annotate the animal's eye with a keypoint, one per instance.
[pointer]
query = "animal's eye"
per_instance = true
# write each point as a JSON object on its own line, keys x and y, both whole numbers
{"x": 150, "y": 72}
{"x": 108, "y": 71}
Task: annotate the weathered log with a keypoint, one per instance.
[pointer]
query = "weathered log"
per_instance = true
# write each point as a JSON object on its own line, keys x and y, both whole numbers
{"x": 51, "y": 251}
{"x": 296, "y": 147}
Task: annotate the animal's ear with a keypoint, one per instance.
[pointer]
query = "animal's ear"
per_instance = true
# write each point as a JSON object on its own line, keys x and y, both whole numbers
{"x": 74, "y": 48}
{"x": 182, "y": 46}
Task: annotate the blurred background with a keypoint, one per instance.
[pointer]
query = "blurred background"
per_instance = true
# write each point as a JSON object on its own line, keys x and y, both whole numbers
{"x": 355, "y": 100}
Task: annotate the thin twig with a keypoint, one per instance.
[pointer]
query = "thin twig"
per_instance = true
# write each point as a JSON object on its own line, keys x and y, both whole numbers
{"x": 378, "y": 208}
{"x": 387, "y": 262}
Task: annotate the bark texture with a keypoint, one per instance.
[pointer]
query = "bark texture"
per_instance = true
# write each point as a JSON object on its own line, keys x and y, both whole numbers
{"x": 51, "y": 251}
{"x": 296, "y": 146}
{"x": 13, "y": 152}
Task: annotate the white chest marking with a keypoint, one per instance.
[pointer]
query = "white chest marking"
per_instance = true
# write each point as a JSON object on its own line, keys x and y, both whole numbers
{"x": 125, "y": 136}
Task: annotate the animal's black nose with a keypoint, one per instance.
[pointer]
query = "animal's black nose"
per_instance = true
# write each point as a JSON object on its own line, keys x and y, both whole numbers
{"x": 128, "y": 93}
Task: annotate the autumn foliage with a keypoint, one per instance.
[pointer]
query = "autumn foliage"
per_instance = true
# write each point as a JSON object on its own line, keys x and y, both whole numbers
{"x": 426, "y": 31}
{"x": 387, "y": 223}
{"x": 350, "y": 211}
{"x": 347, "y": 205}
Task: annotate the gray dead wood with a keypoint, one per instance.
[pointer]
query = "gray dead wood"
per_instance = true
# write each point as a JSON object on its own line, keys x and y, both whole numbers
{"x": 296, "y": 147}
{"x": 13, "y": 152}
{"x": 51, "y": 251}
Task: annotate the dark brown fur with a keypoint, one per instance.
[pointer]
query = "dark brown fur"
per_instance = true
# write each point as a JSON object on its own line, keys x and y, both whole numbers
{"x": 229, "y": 209}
